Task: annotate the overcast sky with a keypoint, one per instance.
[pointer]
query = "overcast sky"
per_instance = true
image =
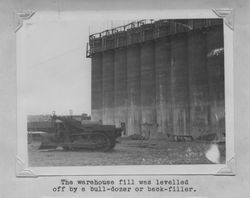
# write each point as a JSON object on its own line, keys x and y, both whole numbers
{"x": 58, "y": 74}
{"x": 56, "y": 71}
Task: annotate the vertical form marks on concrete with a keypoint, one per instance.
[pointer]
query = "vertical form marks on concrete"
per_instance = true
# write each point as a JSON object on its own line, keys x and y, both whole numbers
{"x": 163, "y": 85}
{"x": 133, "y": 90}
{"x": 215, "y": 64}
{"x": 198, "y": 83}
{"x": 176, "y": 81}
{"x": 120, "y": 89}
{"x": 96, "y": 87}
{"x": 108, "y": 86}
{"x": 148, "y": 83}
{"x": 179, "y": 83}
{"x": 148, "y": 97}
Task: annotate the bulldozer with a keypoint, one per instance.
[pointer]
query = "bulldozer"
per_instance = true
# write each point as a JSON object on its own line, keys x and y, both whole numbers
{"x": 71, "y": 134}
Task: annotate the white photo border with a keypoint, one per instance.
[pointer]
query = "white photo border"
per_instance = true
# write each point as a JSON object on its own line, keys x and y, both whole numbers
{"x": 22, "y": 167}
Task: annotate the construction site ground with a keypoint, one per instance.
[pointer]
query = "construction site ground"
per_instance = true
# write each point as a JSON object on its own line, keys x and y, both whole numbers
{"x": 126, "y": 152}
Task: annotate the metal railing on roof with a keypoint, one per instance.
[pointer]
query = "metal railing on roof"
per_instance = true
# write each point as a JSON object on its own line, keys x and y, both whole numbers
{"x": 142, "y": 31}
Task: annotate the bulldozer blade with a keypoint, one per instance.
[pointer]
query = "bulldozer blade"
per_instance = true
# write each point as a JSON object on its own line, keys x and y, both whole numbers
{"x": 44, "y": 146}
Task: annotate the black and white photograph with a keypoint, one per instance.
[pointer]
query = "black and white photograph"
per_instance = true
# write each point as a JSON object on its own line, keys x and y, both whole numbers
{"x": 122, "y": 92}
{"x": 124, "y": 98}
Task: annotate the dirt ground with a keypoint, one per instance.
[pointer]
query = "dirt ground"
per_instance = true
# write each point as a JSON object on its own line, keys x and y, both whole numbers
{"x": 126, "y": 152}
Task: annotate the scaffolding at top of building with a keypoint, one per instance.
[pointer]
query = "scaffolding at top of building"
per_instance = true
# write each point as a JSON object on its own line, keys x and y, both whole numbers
{"x": 142, "y": 31}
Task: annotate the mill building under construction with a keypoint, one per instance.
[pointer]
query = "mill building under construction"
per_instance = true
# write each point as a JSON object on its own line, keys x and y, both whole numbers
{"x": 165, "y": 75}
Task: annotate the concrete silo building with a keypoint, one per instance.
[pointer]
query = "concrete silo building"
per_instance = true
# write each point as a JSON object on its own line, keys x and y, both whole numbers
{"x": 160, "y": 77}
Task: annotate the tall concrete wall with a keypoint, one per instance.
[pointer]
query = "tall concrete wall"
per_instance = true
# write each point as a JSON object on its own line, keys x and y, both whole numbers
{"x": 96, "y": 87}
{"x": 147, "y": 72}
{"x": 168, "y": 77}
{"x": 179, "y": 84}
{"x": 133, "y": 88}
{"x": 198, "y": 83}
{"x": 163, "y": 85}
{"x": 108, "y": 87}
{"x": 120, "y": 83}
